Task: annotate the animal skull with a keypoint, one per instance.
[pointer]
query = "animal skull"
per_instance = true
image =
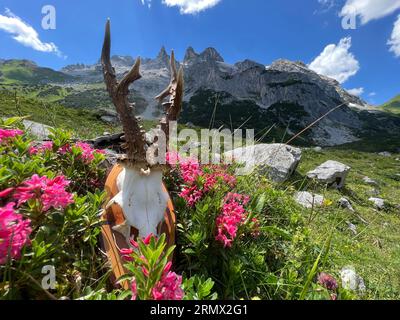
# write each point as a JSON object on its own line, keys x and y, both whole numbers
{"x": 141, "y": 193}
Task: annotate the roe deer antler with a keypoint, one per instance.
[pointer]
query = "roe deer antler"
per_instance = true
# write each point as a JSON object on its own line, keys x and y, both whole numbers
{"x": 135, "y": 142}
{"x": 135, "y": 185}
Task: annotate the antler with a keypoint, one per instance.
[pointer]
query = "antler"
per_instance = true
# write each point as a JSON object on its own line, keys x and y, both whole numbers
{"x": 175, "y": 92}
{"x": 135, "y": 142}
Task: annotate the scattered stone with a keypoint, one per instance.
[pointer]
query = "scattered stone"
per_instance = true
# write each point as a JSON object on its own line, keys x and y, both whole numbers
{"x": 112, "y": 141}
{"x": 277, "y": 161}
{"x": 109, "y": 119}
{"x": 190, "y": 125}
{"x": 370, "y": 181}
{"x": 111, "y": 159}
{"x": 317, "y": 149}
{"x": 332, "y": 173}
{"x": 351, "y": 280}
{"x": 397, "y": 159}
{"x": 378, "y": 203}
{"x": 39, "y": 130}
{"x": 352, "y": 228}
{"x": 345, "y": 203}
{"x": 106, "y": 133}
{"x": 309, "y": 200}
{"x": 385, "y": 154}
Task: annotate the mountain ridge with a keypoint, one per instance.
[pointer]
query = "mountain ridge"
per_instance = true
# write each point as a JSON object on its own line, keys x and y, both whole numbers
{"x": 285, "y": 94}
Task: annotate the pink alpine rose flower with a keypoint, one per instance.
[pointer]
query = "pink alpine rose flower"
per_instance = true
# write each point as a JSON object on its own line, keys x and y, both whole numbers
{"x": 134, "y": 289}
{"x": 233, "y": 215}
{"x": 5, "y": 193}
{"x": 14, "y": 233}
{"x": 87, "y": 151}
{"x": 46, "y": 146}
{"x": 6, "y": 134}
{"x": 50, "y": 192}
{"x": 169, "y": 287}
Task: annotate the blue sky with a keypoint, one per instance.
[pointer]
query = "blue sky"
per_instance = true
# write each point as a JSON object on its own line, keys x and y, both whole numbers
{"x": 366, "y": 58}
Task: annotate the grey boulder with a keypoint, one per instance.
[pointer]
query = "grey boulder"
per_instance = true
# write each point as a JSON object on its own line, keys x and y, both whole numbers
{"x": 277, "y": 161}
{"x": 351, "y": 280}
{"x": 370, "y": 181}
{"x": 345, "y": 203}
{"x": 332, "y": 173}
{"x": 309, "y": 200}
{"x": 378, "y": 203}
{"x": 39, "y": 130}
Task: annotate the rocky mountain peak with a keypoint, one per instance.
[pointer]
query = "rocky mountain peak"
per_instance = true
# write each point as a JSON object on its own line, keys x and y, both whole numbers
{"x": 190, "y": 55}
{"x": 122, "y": 61}
{"x": 211, "y": 55}
{"x": 284, "y": 65}
{"x": 163, "y": 55}
{"x": 248, "y": 64}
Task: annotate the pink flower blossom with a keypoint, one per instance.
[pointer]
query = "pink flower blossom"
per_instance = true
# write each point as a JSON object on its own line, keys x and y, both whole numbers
{"x": 14, "y": 233}
{"x": 172, "y": 158}
{"x": 190, "y": 170}
{"x": 134, "y": 289}
{"x": 6, "y": 134}
{"x": 126, "y": 254}
{"x": 87, "y": 151}
{"x": 191, "y": 195}
{"x": 5, "y": 193}
{"x": 48, "y": 145}
{"x": 327, "y": 281}
{"x": 147, "y": 240}
{"x": 233, "y": 215}
{"x": 50, "y": 192}
{"x": 64, "y": 149}
{"x": 169, "y": 287}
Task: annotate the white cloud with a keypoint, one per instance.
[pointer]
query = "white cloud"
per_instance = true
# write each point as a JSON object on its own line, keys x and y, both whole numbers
{"x": 336, "y": 62}
{"x": 325, "y": 6}
{"x": 369, "y": 10}
{"x": 356, "y": 91}
{"x": 23, "y": 33}
{"x": 146, "y": 2}
{"x": 394, "y": 41}
{"x": 187, "y": 6}
{"x": 191, "y": 6}
{"x": 372, "y": 94}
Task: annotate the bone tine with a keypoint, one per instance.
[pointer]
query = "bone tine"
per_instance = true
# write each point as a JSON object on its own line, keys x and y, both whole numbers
{"x": 109, "y": 74}
{"x": 177, "y": 105}
{"x": 134, "y": 138}
{"x": 173, "y": 66}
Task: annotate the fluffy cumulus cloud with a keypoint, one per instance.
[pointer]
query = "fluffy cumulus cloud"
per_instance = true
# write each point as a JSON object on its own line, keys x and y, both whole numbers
{"x": 356, "y": 91}
{"x": 23, "y": 33}
{"x": 336, "y": 61}
{"x": 187, "y": 6}
{"x": 394, "y": 41}
{"x": 369, "y": 10}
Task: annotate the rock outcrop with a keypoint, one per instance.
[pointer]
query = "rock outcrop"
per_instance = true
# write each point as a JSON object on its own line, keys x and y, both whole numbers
{"x": 331, "y": 173}
{"x": 277, "y": 161}
{"x": 309, "y": 200}
{"x": 286, "y": 93}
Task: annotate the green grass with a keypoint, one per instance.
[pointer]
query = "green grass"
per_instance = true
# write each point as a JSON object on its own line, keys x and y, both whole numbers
{"x": 375, "y": 250}
{"x": 393, "y": 105}
{"x": 23, "y": 71}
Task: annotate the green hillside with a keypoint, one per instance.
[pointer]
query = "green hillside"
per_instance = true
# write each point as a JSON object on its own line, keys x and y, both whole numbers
{"x": 25, "y": 71}
{"x": 393, "y": 105}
